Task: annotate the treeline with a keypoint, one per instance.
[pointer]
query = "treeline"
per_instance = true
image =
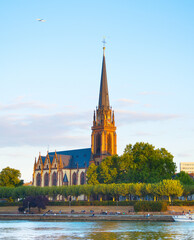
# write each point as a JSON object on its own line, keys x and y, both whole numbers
{"x": 165, "y": 188}
{"x": 140, "y": 162}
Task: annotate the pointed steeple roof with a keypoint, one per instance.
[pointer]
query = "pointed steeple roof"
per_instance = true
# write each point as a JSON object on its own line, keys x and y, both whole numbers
{"x": 103, "y": 96}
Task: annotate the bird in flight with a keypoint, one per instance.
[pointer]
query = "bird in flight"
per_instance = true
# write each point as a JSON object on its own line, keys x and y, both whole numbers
{"x": 41, "y": 20}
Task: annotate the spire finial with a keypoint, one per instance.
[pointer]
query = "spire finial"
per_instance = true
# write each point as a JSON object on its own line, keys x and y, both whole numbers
{"x": 103, "y": 96}
{"x": 104, "y": 43}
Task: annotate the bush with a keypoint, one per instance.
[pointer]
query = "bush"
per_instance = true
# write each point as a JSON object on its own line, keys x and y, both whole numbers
{"x": 150, "y": 206}
{"x": 5, "y": 204}
{"x": 21, "y": 209}
{"x": 56, "y": 203}
{"x": 39, "y": 201}
{"x": 182, "y": 203}
{"x": 92, "y": 203}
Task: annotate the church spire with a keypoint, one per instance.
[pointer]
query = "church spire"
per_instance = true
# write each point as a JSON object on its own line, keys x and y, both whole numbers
{"x": 103, "y": 96}
{"x": 103, "y": 138}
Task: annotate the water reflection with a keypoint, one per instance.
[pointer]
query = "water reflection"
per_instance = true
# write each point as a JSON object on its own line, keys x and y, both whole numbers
{"x": 20, "y": 230}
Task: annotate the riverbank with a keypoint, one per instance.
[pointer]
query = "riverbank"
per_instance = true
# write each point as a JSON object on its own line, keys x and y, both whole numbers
{"x": 98, "y": 209}
{"x": 86, "y": 217}
{"x": 92, "y": 213}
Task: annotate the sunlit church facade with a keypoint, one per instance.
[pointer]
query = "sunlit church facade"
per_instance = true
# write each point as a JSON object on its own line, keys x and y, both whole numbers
{"x": 69, "y": 167}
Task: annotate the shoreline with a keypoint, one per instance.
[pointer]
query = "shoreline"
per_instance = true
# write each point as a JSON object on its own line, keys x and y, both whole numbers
{"x": 86, "y": 217}
{"x": 93, "y": 213}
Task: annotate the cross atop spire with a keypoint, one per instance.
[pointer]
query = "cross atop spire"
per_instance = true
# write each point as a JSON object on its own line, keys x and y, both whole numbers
{"x": 103, "y": 96}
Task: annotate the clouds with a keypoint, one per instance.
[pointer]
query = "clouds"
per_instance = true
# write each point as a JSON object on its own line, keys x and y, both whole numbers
{"x": 34, "y": 123}
{"x": 41, "y": 124}
{"x": 60, "y": 128}
{"x": 38, "y": 129}
{"x": 24, "y": 105}
{"x": 125, "y": 117}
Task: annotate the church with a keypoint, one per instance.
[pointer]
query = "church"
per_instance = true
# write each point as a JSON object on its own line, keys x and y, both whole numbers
{"x": 69, "y": 167}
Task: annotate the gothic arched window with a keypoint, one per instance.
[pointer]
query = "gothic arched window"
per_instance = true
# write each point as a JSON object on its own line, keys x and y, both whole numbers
{"x": 82, "y": 178}
{"x": 109, "y": 144}
{"x": 98, "y": 143}
{"x": 38, "y": 180}
{"x": 54, "y": 179}
{"x": 65, "y": 180}
{"x": 46, "y": 179}
{"x": 74, "y": 179}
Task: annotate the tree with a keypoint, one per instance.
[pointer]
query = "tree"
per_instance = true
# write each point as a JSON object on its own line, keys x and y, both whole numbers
{"x": 92, "y": 175}
{"x": 113, "y": 191}
{"x": 100, "y": 190}
{"x": 108, "y": 170}
{"x": 184, "y": 178}
{"x": 10, "y": 177}
{"x": 141, "y": 163}
{"x": 75, "y": 191}
{"x": 147, "y": 164}
{"x": 64, "y": 191}
{"x": 124, "y": 190}
{"x": 188, "y": 190}
{"x": 87, "y": 190}
{"x": 170, "y": 188}
{"x": 31, "y": 202}
{"x": 139, "y": 189}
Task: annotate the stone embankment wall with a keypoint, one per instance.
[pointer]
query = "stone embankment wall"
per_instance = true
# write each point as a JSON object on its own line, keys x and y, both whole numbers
{"x": 85, "y": 217}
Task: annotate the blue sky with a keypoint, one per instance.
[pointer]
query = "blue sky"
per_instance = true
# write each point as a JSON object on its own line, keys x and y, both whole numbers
{"x": 50, "y": 75}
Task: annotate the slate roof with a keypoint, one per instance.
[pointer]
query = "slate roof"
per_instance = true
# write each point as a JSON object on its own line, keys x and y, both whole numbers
{"x": 51, "y": 158}
{"x": 65, "y": 159}
{"x": 71, "y": 158}
{"x": 43, "y": 159}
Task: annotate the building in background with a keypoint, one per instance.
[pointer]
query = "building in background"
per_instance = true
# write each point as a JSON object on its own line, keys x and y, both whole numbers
{"x": 69, "y": 167}
{"x": 187, "y": 167}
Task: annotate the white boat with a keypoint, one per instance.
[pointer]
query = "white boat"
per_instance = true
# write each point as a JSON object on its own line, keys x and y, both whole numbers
{"x": 184, "y": 218}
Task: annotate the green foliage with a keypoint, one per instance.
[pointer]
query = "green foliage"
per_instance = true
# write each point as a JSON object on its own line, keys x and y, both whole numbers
{"x": 170, "y": 188}
{"x": 141, "y": 163}
{"x": 92, "y": 174}
{"x": 138, "y": 189}
{"x": 184, "y": 178}
{"x": 93, "y": 203}
{"x": 10, "y": 177}
{"x": 75, "y": 190}
{"x": 188, "y": 190}
{"x": 64, "y": 191}
{"x": 5, "y": 204}
{"x": 150, "y": 206}
{"x": 147, "y": 164}
{"x": 107, "y": 170}
{"x": 100, "y": 203}
{"x": 183, "y": 203}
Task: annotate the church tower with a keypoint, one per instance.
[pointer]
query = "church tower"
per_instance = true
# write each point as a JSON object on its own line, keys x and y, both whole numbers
{"x": 104, "y": 138}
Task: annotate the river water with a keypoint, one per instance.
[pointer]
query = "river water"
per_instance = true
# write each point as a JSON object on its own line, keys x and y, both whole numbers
{"x": 24, "y": 230}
